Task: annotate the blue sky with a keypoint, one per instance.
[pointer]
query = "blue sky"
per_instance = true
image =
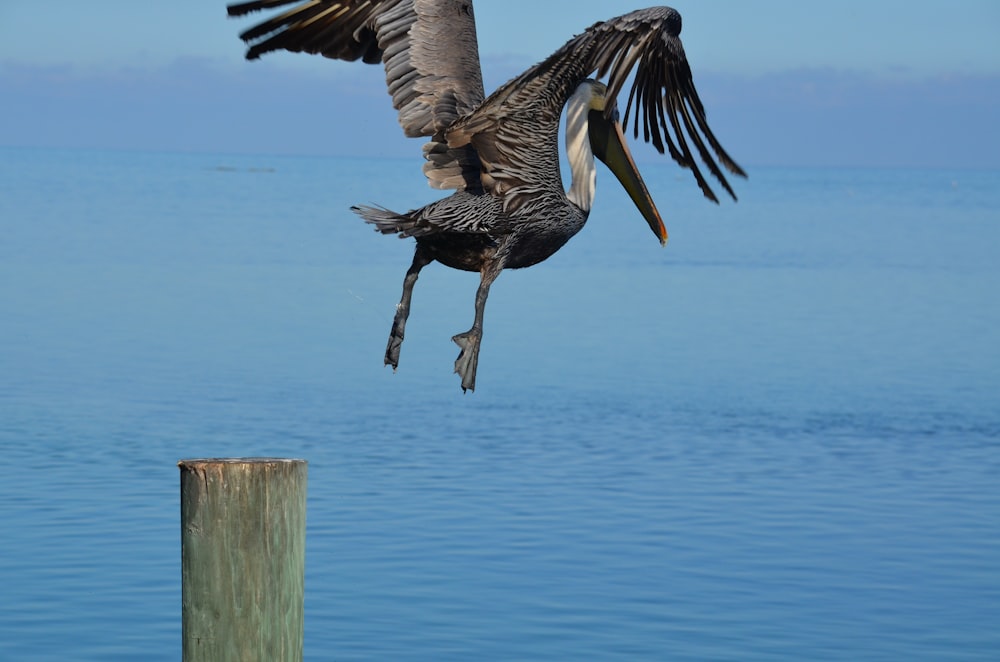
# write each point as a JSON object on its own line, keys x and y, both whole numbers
{"x": 854, "y": 82}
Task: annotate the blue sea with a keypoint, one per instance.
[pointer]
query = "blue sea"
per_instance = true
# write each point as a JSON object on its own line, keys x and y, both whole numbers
{"x": 778, "y": 438}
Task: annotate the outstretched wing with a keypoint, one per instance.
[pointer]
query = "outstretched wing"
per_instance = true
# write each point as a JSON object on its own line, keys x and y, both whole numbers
{"x": 429, "y": 50}
{"x": 662, "y": 96}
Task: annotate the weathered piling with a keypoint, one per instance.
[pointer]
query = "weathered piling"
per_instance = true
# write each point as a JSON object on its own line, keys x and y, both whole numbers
{"x": 243, "y": 524}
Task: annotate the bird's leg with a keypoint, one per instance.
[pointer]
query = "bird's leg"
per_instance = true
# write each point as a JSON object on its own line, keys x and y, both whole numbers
{"x": 420, "y": 260}
{"x": 468, "y": 358}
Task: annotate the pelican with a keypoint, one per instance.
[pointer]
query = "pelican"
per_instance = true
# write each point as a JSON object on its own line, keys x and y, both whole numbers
{"x": 500, "y": 154}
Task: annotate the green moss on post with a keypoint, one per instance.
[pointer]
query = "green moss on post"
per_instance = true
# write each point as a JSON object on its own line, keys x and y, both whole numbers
{"x": 243, "y": 531}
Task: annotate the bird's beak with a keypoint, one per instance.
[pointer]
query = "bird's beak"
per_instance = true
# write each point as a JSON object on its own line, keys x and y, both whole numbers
{"x": 609, "y": 146}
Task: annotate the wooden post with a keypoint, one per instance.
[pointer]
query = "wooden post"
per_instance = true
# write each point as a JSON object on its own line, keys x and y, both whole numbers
{"x": 243, "y": 534}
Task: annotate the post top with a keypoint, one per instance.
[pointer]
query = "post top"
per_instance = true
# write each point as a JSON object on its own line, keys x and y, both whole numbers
{"x": 200, "y": 462}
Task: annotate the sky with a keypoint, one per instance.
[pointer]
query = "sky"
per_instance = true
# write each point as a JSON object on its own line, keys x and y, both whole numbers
{"x": 785, "y": 82}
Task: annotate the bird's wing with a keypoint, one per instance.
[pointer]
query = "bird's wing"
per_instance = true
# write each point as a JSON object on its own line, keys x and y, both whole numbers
{"x": 503, "y": 128}
{"x": 429, "y": 50}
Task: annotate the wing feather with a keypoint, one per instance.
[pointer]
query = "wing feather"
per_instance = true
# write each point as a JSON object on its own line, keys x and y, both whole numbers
{"x": 507, "y": 143}
{"x": 428, "y": 48}
{"x": 663, "y": 97}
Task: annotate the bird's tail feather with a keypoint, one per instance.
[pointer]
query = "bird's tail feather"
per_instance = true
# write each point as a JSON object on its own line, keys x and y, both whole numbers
{"x": 387, "y": 221}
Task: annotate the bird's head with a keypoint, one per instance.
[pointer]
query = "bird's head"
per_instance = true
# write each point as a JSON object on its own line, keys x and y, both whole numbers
{"x": 608, "y": 144}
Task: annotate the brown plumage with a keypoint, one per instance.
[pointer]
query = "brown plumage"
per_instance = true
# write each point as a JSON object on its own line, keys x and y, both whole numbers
{"x": 500, "y": 154}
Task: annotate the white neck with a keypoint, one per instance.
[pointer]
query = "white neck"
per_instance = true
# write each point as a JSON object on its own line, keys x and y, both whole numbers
{"x": 583, "y": 181}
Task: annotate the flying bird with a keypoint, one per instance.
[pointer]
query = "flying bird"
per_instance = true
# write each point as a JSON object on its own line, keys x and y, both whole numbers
{"x": 500, "y": 154}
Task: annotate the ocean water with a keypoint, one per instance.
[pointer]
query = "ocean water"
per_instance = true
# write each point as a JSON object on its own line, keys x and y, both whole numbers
{"x": 778, "y": 438}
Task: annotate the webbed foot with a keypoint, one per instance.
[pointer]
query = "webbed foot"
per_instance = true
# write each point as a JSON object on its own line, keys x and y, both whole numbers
{"x": 395, "y": 342}
{"x": 468, "y": 358}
